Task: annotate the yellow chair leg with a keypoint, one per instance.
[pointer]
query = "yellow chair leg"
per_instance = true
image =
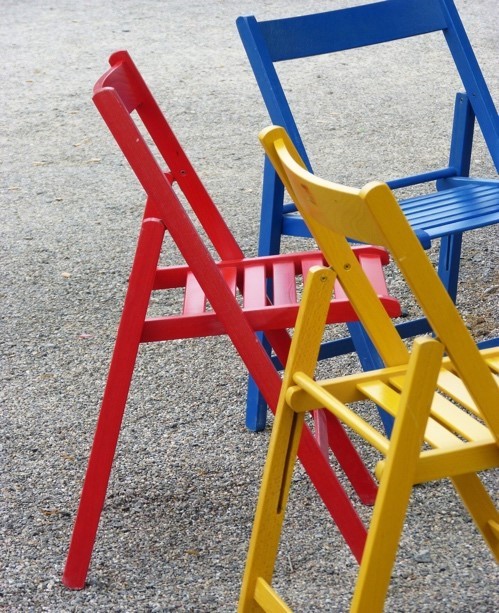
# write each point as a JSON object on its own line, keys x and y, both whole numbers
{"x": 285, "y": 438}
{"x": 481, "y": 508}
{"x": 398, "y": 477}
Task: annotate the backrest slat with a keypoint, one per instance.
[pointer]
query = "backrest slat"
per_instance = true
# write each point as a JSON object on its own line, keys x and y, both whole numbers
{"x": 359, "y": 26}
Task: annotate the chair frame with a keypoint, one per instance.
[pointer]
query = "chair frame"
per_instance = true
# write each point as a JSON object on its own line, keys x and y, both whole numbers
{"x": 118, "y": 93}
{"x": 462, "y": 445}
{"x": 471, "y": 203}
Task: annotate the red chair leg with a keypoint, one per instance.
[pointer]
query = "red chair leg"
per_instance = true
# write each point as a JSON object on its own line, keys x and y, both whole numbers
{"x": 113, "y": 403}
{"x": 310, "y": 454}
{"x": 330, "y": 434}
{"x": 350, "y": 461}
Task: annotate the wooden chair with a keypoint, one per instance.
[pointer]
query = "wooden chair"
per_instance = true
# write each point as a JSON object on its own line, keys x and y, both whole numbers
{"x": 224, "y": 297}
{"x": 451, "y": 402}
{"x": 458, "y": 204}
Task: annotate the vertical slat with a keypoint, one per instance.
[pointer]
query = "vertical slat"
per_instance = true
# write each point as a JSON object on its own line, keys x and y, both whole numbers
{"x": 373, "y": 268}
{"x": 284, "y": 283}
{"x": 255, "y": 295}
{"x": 194, "y": 297}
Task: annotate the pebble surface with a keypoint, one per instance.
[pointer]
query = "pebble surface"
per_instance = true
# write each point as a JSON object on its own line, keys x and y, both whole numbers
{"x": 178, "y": 514}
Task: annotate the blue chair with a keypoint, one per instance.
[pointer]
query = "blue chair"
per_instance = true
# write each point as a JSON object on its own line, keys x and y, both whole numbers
{"x": 458, "y": 204}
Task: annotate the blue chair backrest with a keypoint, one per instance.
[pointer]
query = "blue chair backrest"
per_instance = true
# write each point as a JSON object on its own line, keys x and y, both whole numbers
{"x": 267, "y": 42}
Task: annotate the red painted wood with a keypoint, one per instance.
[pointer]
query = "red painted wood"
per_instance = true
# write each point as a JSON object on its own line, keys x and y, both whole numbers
{"x": 284, "y": 283}
{"x": 194, "y": 297}
{"x": 118, "y": 93}
{"x": 255, "y": 292}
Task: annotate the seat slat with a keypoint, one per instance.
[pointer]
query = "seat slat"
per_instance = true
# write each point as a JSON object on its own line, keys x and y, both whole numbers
{"x": 255, "y": 294}
{"x": 309, "y": 262}
{"x": 194, "y": 297}
{"x": 455, "y": 209}
{"x": 453, "y": 386}
{"x": 388, "y": 399}
{"x": 284, "y": 283}
{"x": 373, "y": 268}
{"x": 451, "y": 416}
{"x": 229, "y": 273}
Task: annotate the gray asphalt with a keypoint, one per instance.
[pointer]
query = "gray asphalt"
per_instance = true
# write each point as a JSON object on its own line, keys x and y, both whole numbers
{"x": 176, "y": 524}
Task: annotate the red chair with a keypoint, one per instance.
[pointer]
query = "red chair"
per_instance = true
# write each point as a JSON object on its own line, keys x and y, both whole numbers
{"x": 225, "y": 297}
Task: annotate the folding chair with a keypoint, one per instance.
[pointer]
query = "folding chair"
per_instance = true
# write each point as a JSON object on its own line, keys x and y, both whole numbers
{"x": 225, "y": 297}
{"x": 450, "y": 403}
{"x": 460, "y": 203}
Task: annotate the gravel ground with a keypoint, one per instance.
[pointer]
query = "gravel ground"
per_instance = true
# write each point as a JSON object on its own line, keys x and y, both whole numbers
{"x": 180, "y": 504}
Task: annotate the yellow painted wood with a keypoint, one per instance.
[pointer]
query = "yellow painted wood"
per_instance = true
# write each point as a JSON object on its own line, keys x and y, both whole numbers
{"x": 388, "y": 399}
{"x": 452, "y": 417}
{"x": 268, "y": 600}
{"x": 345, "y": 388}
{"x": 450, "y": 402}
{"x": 436, "y": 464}
{"x": 398, "y": 477}
{"x": 480, "y": 506}
{"x": 285, "y": 438}
{"x": 451, "y": 385}
{"x": 347, "y": 416}
{"x": 310, "y": 198}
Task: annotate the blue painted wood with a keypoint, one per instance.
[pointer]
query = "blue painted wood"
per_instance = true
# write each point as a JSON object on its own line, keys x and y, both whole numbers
{"x": 460, "y": 204}
{"x": 361, "y": 26}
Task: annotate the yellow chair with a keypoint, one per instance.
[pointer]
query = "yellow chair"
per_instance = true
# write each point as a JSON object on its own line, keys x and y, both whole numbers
{"x": 451, "y": 402}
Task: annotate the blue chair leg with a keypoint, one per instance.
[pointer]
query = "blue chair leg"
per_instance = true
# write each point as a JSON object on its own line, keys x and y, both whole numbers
{"x": 449, "y": 260}
{"x": 256, "y": 407}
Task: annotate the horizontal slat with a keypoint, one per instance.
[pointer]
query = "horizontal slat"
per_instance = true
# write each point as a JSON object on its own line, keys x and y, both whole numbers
{"x": 452, "y": 385}
{"x": 452, "y": 210}
{"x": 308, "y": 263}
{"x": 374, "y": 270}
{"x": 388, "y": 399}
{"x": 452, "y": 417}
{"x": 358, "y": 26}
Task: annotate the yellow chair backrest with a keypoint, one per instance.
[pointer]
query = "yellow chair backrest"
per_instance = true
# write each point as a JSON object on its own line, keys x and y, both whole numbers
{"x": 372, "y": 215}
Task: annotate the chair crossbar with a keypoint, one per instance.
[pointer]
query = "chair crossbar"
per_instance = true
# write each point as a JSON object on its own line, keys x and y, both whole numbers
{"x": 340, "y": 30}
{"x": 268, "y": 599}
{"x": 232, "y": 297}
{"x": 424, "y": 177}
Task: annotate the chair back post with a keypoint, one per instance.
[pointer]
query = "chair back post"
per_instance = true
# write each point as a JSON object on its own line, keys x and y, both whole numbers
{"x": 335, "y": 247}
{"x": 119, "y": 92}
{"x": 472, "y": 78}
